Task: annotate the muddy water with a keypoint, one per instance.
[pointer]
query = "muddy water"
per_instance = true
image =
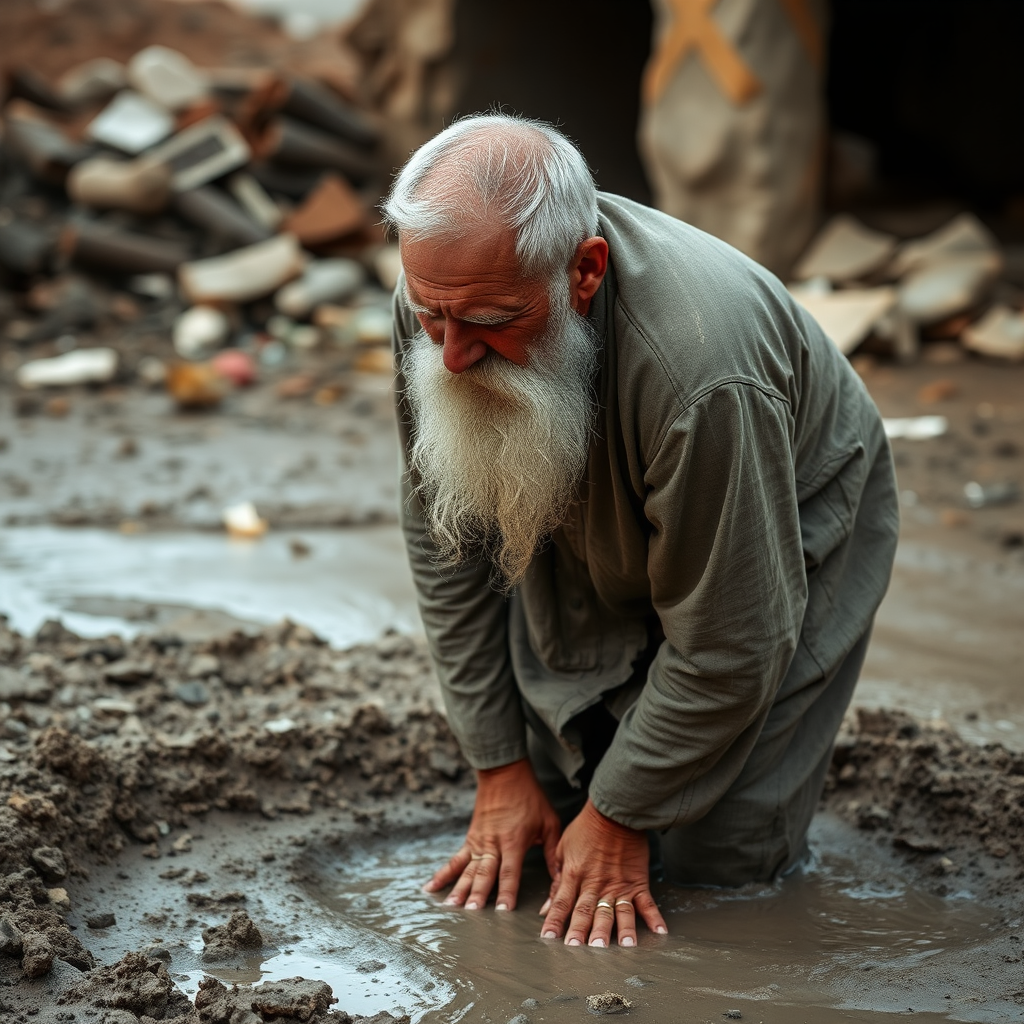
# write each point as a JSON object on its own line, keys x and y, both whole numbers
{"x": 347, "y": 585}
{"x": 814, "y": 945}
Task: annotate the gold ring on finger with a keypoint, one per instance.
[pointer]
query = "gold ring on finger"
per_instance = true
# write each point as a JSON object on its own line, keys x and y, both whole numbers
{"x": 628, "y": 903}
{"x": 605, "y": 903}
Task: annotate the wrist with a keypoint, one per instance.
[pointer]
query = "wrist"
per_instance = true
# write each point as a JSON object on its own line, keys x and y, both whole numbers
{"x": 512, "y": 770}
{"x": 605, "y": 823}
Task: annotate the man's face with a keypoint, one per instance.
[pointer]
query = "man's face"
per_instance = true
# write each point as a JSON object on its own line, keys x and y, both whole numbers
{"x": 499, "y": 384}
{"x": 471, "y": 298}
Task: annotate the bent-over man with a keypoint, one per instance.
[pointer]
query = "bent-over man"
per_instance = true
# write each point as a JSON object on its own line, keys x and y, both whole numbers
{"x": 650, "y": 512}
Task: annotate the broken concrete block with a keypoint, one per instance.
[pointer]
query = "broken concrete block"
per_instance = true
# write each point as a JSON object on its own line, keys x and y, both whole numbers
{"x": 167, "y": 77}
{"x": 245, "y": 274}
{"x": 939, "y": 288}
{"x": 845, "y": 250}
{"x": 140, "y": 186}
{"x": 330, "y": 212}
{"x": 963, "y": 234}
{"x": 999, "y": 333}
{"x": 848, "y": 316}
{"x": 80, "y": 366}
{"x": 322, "y": 281}
{"x": 131, "y": 123}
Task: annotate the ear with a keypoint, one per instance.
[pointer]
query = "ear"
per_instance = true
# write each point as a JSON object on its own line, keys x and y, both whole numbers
{"x": 586, "y": 272}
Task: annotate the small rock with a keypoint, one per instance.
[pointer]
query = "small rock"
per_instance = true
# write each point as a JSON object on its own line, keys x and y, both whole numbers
{"x": 128, "y": 672}
{"x": 59, "y": 898}
{"x": 37, "y": 955}
{"x": 530, "y": 1003}
{"x": 203, "y": 665}
{"x": 733, "y": 1015}
{"x": 49, "y": 862}
{"x": 192, "y": 693}
{"x": 104, "y": 920}
{"x": 294, "y": 998}
{"x": 183, "y": 844}
{"x": 224, "y": 940}
{"x": 519, "y": 1018}
{"x": 608, "y": 1002}
{"x": 10, "y": 937}
{"x": 371, "y": 966}
{"x": 636, "y": 981}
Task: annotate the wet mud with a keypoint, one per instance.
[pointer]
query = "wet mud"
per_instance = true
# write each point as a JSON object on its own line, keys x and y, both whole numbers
{"x": 178, "y": 818}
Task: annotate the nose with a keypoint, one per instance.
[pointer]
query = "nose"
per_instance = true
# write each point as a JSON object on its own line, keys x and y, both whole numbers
{"x": 461, "y": 349}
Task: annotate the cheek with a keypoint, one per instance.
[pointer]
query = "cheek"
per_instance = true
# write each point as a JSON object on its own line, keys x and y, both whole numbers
{"x": 514, "y": 346}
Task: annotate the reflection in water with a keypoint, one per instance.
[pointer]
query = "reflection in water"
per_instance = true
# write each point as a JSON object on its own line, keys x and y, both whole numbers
{"x": 798, "y": 944}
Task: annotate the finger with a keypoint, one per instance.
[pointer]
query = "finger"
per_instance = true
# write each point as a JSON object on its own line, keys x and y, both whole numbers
{"x": 486, "y": 871}
{"x": 582, "y": 919}
{"x": 444, "y": 877}
{"x": 552, "y": 855}
{"x": 552, "y": 889}
{"x": 508, "y": 882}
{"x": 460, "y": 890}
{"x": 601, "y": 927}
{"x": 648, "y": 910}
{"x": 560, "y": 908}
{"x": 625, "y": 922}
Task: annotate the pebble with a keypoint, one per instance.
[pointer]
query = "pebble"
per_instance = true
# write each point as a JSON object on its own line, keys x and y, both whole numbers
{"x": 203, "y": 665}
{"x": 102, "y": 920}
{"x": 608, "y": 1002}
{"x": 50, "y": 862}
{"x": 636, "y": 981}
{"x": 193, "y": 693}
{"x": 530, "y": 1003}
{"x": 371, "y": 966}
{"x": 733, "y": 1015}
{"x": 519, "y": 1018}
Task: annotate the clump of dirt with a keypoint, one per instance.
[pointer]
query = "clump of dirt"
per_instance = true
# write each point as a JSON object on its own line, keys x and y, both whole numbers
{"x": 951, "y": 805}
{"x": 224, "y": 940}
{"x": 108, "y": 742}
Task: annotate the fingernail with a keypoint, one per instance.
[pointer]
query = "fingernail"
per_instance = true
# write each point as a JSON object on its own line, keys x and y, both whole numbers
{"x": 661, "y": 930}
{"x": 574, "y": 942}
{"x": 501, "y": 906}
{"x": 545, "y": 906}
{"x": 548, "y": 935}
{"x": 472, "y": 905}
{"x": 450, "y": 901}
{"x": 598, "y": 942}
{"x": 628, "y": 940}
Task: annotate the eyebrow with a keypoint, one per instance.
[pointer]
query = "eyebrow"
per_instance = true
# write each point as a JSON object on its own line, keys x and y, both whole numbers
{"x": 484, "y": 319}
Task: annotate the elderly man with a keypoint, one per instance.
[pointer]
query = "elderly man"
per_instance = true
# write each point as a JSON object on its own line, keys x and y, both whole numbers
{"x": 650, "y": 513}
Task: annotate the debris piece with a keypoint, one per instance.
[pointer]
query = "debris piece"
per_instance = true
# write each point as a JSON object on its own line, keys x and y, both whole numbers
{"x": 847, "y": 317}
{"x": 80, "y": 366}
{"x": 293, "y": 142}
{"x": 983, "y": 495}
{"x": 25, "y": 247}
{"x": 963, "y": 234}
{"x": 141, "y": 186}
{"x": 195, "y": 385}
{"x": 236, "y": 366}
{"x": 318, "y": 105}
{"x": 252, "y": 196}
{"x": 608, "y": 1002}
{"x": 105, "y": 247}
{"x": 917, "y": 843}
{"x": 47, "y": 151}
{"x": 330, "y": 212}
{"x": 209, "y": 208}
{"x": 938, "y": 391}
{"x": 999, "y": 333}
{"x": 916, "y": 428}
{"x": 202, "y": 152}
{"x": 845, "y": 250}
{"x": 221, "y": 942}
{"x": 101, "y": 920}
{"x": 245, "y": 274}
{"x": 293, "y": 999}
{"x": 242, "y": 520}
{"x": 733, "y": 1014}
{"x": 941, "y": 288}
{"x": 192, "y": 693}
{"x": 167, "y": 77}
{"x": 95, "y": 81}
{"x": 200, "y": 330}
{"x": 322, "y": 281}
{"x": 131, "y": 123}
{"x": 49, "y": 861}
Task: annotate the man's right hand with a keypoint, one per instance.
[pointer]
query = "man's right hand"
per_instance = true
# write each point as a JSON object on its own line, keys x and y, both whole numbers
{"x": 512, "y": 813}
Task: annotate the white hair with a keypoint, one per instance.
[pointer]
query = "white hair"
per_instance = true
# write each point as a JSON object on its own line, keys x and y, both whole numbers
{"x": 496, "y": 168}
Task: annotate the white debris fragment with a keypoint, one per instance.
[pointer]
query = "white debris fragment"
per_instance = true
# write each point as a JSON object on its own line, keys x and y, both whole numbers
{"x": 242, "y": 520}
{"x": 916, "y": 428}
{"x": 79, "y": 366}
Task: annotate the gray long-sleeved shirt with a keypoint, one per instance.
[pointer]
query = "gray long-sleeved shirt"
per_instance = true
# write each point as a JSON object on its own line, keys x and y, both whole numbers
{"x": 733, "y": 535}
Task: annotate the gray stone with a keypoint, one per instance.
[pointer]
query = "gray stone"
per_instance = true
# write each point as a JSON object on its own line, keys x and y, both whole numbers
{"x": 203, "y": 665}
{"x": 50, "y": 863}
{"x": 37, "y": 955}
{"x": 15, "y": 686}
{"x": 10, "y": 937}
{"x": 608, "y": 1002}
{"x": 128, "y": 672}
{"x": 371, "y": 966}
{"x": 101, "y": 920}
{"x": 193, "y": 693}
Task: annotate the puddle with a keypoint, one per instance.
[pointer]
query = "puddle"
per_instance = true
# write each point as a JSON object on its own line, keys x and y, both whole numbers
{"x": 351, "y": 586}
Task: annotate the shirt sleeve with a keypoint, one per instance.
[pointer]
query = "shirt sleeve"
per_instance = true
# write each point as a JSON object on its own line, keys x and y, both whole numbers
{"x": 464, "y": 617}
{"x": 728, "y": 582}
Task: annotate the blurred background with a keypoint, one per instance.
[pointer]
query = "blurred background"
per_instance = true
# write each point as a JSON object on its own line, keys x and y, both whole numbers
{"x": 196, "y": 427}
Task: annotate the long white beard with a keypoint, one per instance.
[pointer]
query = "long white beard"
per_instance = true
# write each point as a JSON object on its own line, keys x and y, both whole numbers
{"x": 499, "y": 449}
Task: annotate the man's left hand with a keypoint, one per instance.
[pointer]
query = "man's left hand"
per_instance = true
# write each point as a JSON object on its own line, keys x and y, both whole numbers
{"x": 604, "y": 883}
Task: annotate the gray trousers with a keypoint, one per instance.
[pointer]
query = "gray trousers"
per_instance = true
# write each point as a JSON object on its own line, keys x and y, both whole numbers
{"x": 758, "y": 830}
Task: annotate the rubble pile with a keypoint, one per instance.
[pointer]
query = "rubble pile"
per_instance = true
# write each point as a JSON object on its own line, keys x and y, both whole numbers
{"x": 953, "y": 285}
{"x": 931, "y": 794}
{"x": 187, "y": 226}
{"x": 107, "y": 742}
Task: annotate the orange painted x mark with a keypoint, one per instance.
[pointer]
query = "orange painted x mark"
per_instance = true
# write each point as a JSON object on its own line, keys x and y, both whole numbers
{"x": 692, "y": 28}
